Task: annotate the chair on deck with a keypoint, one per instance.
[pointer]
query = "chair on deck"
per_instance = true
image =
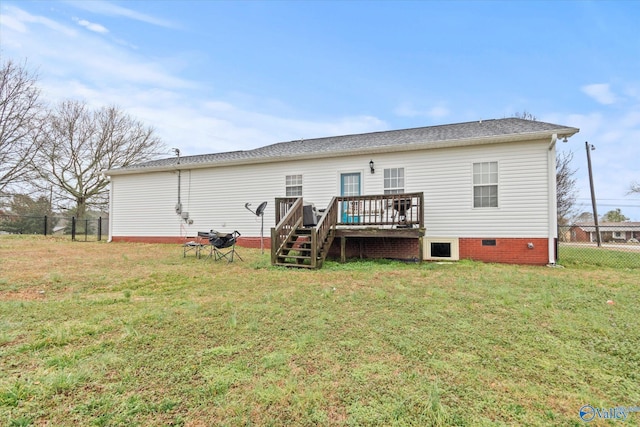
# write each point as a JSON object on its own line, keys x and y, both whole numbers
{"x": 400, "y": 207}
{"x": 222, "y": 245}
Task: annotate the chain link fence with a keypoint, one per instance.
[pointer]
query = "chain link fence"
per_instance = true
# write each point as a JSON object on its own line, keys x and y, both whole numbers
{"x": 77, "y": 229}
{"x": 614, "y": 245}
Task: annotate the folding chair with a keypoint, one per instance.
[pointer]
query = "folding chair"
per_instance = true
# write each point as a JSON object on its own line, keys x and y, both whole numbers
{"x": 223, "y": 245}
{"x": 192, "y": 246}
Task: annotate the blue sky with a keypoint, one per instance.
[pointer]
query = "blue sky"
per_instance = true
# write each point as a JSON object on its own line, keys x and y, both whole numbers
{"x": 215, "y": 76}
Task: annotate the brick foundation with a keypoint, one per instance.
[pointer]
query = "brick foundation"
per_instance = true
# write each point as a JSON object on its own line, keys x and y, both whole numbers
{"x": 506, "y": 250}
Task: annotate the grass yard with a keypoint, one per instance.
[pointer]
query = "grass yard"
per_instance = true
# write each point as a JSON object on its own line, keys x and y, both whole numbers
{"x": 109, "y": 334}
{"x": 586, "y": 255}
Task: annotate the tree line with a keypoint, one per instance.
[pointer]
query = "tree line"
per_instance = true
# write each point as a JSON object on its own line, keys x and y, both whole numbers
{"x": 57, "y": 153}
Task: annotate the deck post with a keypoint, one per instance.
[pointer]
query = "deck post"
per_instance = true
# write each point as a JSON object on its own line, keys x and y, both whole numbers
{"x": 274, "y": 246}
{"x": 314, "y": 248}
{"x": 343, "y": 249}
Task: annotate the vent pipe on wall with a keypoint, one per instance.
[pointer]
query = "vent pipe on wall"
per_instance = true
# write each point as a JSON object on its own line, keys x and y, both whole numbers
{"x": 178, "y": 206}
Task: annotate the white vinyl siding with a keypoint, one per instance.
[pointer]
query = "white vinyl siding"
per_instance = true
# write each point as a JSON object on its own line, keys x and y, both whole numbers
{"x": 448, "y": 196}
{"x": 143, "y": 204}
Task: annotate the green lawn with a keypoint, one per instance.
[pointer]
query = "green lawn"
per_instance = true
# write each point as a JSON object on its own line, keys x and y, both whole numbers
{"x": 621, "y": 257}
{"x": 133, "y": 334}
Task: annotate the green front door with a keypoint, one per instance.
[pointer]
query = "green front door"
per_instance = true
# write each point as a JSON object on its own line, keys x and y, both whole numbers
{"x": 349, "y": 186}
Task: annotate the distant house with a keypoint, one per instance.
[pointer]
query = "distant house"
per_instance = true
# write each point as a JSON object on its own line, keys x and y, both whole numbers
{"x": 486, "y": 191}
{"x": 609, "y": 232}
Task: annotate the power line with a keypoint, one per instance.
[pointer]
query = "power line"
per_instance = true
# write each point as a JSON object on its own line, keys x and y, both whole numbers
{"x": 612, "y": 205}
{"x": 608, "y": 200}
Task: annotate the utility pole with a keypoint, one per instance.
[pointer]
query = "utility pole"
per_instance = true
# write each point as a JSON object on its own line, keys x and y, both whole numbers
{"x": 590, "y": 148}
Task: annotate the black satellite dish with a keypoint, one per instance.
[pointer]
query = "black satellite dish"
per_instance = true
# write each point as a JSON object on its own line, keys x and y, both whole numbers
{"x": 259, "y": 212}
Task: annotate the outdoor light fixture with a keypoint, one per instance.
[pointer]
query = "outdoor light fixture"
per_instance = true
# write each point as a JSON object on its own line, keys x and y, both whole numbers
{"x": 371, "y": 166}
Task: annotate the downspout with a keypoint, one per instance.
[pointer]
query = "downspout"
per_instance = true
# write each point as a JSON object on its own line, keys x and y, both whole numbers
{"x": 553, "y": 200}
{"x": 110, "y": 238}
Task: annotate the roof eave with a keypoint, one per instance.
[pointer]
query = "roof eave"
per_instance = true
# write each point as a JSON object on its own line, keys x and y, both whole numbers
{"x": 529, "y": 136}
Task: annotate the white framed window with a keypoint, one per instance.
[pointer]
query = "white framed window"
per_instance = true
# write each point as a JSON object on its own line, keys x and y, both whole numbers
{"x": 293, "y": 186}
{"x": 485, "y": 185}
{"x": 394, "y": 181}
{"x": 619, "y": 235}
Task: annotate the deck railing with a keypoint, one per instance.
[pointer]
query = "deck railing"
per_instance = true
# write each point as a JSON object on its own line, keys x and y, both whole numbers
{"x": 404, "y": 210}
{"x": 327, "y": 221}
{"x": 321, "y": 235}
{"x": 284, "y": 205}
{"x": 289, "y": 216}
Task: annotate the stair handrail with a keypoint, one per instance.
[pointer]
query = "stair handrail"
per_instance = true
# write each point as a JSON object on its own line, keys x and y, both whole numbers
{"x": 325, "y": 225}
{"x": 290, "y": 209}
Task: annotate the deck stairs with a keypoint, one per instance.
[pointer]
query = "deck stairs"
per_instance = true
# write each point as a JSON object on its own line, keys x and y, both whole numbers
{"x": 297, "y": 251}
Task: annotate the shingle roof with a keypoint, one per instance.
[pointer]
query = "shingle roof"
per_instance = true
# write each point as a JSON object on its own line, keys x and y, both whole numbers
{"x": 609, "y": 226}
{"x": 393, "y": 139}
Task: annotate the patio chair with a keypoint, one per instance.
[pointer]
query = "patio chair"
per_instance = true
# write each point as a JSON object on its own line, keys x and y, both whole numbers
{"x": 223, "y": 245}
{"x": 194, "y": 246}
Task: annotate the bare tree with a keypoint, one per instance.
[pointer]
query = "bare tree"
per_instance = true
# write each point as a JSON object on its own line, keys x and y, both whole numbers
{"x": 79, "y": 143}
{"x": 566, "y": 192}
{"x": 525, "y": 115}
{"x": 584, "y": 217}
{"x": 634, "y": 188}
{"x": 20, "y": 114}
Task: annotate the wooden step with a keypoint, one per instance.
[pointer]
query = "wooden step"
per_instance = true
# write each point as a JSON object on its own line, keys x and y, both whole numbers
{"x": 294, "y": 256}
{"x": 292, "y": 247}
{"x": 286, "y": 264}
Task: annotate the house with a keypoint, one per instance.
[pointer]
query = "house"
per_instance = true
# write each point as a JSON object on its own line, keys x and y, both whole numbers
{"x": 614, "y": 232}
{"x": 482, "y": 190}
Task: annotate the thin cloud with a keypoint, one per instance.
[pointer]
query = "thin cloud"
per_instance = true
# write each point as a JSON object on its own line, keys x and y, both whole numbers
{"x": 91, "y": 26}
{"x": 213, "y": 126}
{"x": 113, "y": 67}
{"x": 110, "y": 9}
{"x": 601, "y": 92}
{"x": 16, "y": 19}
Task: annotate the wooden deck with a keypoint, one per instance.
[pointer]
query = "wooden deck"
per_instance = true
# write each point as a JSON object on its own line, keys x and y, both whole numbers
{"x": 375, "y": 216}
